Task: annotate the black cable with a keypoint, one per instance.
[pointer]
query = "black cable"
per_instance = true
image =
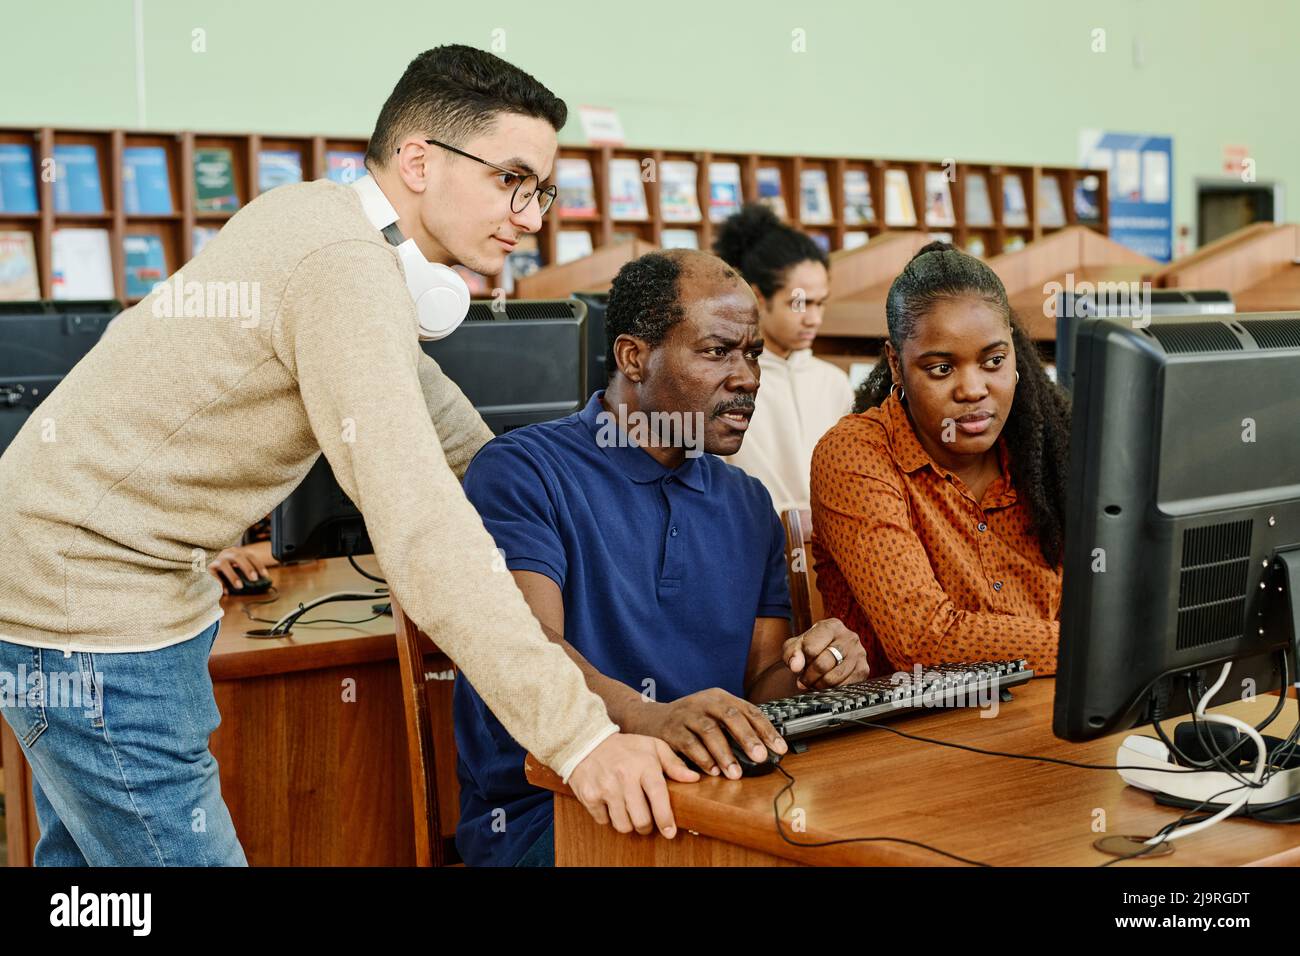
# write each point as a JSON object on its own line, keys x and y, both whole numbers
{"x": 362, "y": 571}
{"x": 1170, "y": 828}
{"x": 330, "y": 620}
{"x": 789, "y": 788}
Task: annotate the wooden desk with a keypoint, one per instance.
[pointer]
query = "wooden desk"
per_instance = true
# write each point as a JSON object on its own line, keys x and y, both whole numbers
{"x": 312, "y": 742}
{"x": 874, "y": 783}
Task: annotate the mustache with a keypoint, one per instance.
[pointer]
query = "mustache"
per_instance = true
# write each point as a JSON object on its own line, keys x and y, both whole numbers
{"x": 739, "y": 402}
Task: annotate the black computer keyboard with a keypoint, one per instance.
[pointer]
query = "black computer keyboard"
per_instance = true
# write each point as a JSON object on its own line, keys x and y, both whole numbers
{"x": 970, "y": 684}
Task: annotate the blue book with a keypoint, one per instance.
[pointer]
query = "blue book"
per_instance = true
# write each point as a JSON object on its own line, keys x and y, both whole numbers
{"x": 145, "y": 264}
{"x": 278, "y": 167}
{"x": 76, "y": 179}
{"x": 17, "y": 181}
{"x": 146, "y": 185}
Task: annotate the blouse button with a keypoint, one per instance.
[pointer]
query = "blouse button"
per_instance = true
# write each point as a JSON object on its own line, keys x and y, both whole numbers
{"x": 997, "y": 585}
{"x": 983, "y": 526}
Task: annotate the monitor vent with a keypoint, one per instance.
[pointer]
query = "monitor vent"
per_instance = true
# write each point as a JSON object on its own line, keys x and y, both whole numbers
{"x": 1274, "y": 333}
{"x": 1212, "y": 583}
{"x": 1195, "y": 337}
{"x": 514, "y": 311}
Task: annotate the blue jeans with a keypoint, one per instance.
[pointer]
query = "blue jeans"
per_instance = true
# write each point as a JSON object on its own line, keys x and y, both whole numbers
{"x": 118, "y": 746}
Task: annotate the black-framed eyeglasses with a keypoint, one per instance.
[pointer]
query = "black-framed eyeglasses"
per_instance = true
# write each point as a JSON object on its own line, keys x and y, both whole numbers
{"x": 527, "y": 185}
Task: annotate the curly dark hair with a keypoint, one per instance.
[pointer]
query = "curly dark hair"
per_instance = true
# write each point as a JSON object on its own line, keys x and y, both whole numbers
{"x": 453, "y": 92}
{"x": 763, "y": 248}
{"x": 644, "y": 300}
{"x": 1038, "y": 434}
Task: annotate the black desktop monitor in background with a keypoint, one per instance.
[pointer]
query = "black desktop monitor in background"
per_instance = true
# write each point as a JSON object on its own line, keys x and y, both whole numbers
{"x": 522, "y": 364}
{"x": 40, "y": 342}
{"x": 597, "y": 346}
{"x": 1182, "y": 537}
{"x": 1073, "y": 307}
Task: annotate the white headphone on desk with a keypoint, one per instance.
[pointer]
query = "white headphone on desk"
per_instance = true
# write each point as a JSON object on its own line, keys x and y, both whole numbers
{"x": 441, "y": 295}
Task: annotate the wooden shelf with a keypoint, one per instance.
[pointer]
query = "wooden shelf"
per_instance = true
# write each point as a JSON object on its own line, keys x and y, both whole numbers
{"x": 1257, "y": 264}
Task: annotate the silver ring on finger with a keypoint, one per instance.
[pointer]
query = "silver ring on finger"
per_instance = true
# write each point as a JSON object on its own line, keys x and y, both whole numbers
{"x": 835, "y": 652}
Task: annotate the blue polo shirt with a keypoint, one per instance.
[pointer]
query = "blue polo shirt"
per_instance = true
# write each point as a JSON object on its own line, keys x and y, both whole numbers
{"x": 663, "y": 573}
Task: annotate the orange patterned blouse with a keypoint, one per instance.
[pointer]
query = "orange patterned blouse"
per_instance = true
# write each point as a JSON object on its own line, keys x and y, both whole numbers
{"x": 907, "y": 558}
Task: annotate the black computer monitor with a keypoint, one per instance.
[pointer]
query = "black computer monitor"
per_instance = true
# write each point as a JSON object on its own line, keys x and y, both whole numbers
{"x": 518, "y": 363}
{"x": 1182, "y": 536}
{"x": 597, "y": 346}
{"x": 1120, "y": 300}
{"x": 40, "y": 342}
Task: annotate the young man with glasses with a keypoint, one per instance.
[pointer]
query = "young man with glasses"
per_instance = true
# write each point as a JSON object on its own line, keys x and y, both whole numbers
{"x": 177, "y": 432}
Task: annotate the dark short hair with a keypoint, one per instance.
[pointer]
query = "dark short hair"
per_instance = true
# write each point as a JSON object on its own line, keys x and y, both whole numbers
{"x": 645, "y": 299}
{"x": 453, "y": 92}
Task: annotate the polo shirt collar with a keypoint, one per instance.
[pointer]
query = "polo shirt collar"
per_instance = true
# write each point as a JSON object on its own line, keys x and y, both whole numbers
{"x": 912, "y": 457}
{"x": 634, "y": 462}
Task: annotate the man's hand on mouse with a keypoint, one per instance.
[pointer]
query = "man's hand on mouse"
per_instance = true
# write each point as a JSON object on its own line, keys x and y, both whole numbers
{"x": 252, "y": 559}
{"x": 698, "y": 726}
{"x": 816, "y": 666}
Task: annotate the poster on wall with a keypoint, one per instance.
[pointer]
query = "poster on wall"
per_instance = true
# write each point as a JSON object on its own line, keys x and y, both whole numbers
{"x": 1141, "y": 187}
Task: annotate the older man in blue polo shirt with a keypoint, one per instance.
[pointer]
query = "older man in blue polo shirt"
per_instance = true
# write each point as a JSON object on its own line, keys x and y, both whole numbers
{"x": 659, "y": 567}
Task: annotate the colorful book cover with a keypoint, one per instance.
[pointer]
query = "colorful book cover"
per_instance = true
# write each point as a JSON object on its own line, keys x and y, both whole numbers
{"x": 214, "y": 180}
{"x": 979, "y": 208}
{"x": 18, "y": 279}
{"x": 146, "y": 186}
{"x": 681, "y": 239}
{"x": 577, "y": 189}
{"x": 724, "y": 191}
{"x": 77, "y": 186}
{"x": 1051, "y": 206}
{"x": 1014, "y": 211}
{"x": 821, "y": 240}
{"x": 572, "y": 244}
{"x": 769, "y": 190}
{"x": 81, "y": 264}
{"x": 17, "y": 178}
{"x": 859, "y": 207}
{"x": 201, "y": 236}
{"x": 278, "y": 167}
{"x": 1013, "y": 244}
{"x": 678, "y": 199}
{"x": 975, "y": 246}
{"x": 854, "y": 240}
{"x": 938, "y": 199}
{"x": 344, "y": 166}
{"x": 1087, "y": 205}
{"x": 899, "y": 209}
{"x": 146, "y": 265}
{"x": 815, "y": 198}
{"x": 524, "y": 260}
{"x": 626, "y": 190}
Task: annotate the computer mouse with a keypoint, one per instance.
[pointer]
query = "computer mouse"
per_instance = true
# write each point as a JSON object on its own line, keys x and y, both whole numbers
{"x": 255, "y": 586}
{"x": 749, "y": 767}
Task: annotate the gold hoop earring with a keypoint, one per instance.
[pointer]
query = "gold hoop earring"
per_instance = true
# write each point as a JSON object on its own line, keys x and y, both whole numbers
{"x": 901, "y": 392}
{"x": 1017, "y": 376}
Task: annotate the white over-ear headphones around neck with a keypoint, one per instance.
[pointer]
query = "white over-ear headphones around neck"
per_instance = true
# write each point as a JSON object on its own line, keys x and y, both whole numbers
{"x": 441, "y": 295}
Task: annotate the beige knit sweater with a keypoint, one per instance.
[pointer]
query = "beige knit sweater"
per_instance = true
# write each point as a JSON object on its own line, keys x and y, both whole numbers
{"x": 203, "y": 407}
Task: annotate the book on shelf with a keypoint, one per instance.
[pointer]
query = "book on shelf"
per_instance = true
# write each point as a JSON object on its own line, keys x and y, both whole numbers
{"x": 18, "y": 279}
{"x": 17, "y": 178}
{"x": 940, "y": 237}
{"x": 623, "y": 235}
{"x": 1051, "y": 207}
{"x": 1013, "y": 244}
{"x": 821, "y": 241}
{"x": 979, "y": 208}
{"x": 815, "y": 198}
{"x": 523, "y": 261}
{"x": 681, "y": 239}
{"x": 577, "y": 188}
{"x": 571, "y": 244}
{"x": 344, "y": 166}
{"x": 214, "y": 180}
{"x": 1015, "y": 212}
{"x": 627, "y": 190}
{"x": 770, "y": 191}
{"x": 278, "y": 167}
{"x": 200, "y": 237}
{"x": 77, "y": 187}
{"x": 859, "y": 208}
{"x": 938, "y": 199}
{"x": 146, "y": 183}
{"x": 81, "y": 264}
{"x": 854, "y": 239}
{"x": 725, "y": 196}
{"x": 678, "y": 199}
{"x": 975, "y": 246}
{"x": 899, "y": 209}
{"x": 1087, "y": 205}
{"x": 146, "y": 264}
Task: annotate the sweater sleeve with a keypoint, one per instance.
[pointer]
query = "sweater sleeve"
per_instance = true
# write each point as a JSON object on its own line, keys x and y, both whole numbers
{"x": 346, "y": 331}
{"x": 860, "y": 513}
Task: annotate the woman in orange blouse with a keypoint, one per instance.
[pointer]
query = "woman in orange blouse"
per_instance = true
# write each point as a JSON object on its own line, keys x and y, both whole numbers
{"x": 938, "y": 510}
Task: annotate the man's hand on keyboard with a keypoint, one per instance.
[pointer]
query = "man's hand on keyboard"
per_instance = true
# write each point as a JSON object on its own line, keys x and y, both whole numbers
{"x": 816, "y": 666}
{"x": 698, "y": 726}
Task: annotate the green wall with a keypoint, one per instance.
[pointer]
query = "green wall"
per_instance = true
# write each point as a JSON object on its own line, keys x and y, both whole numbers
{"x": 1009, "y": 80}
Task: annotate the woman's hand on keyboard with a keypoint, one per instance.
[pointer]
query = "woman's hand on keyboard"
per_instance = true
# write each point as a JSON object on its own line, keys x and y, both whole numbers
{"x": 815, "y": 666}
